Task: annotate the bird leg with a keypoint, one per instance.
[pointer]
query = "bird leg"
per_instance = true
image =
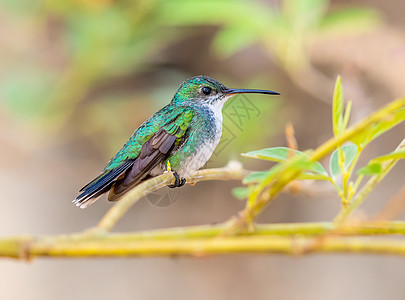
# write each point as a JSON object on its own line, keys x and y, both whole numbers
{"x": 179, "y": 182}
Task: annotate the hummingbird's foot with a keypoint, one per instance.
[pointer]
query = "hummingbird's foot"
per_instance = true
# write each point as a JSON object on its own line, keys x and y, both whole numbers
{"x": 179, "y": 182}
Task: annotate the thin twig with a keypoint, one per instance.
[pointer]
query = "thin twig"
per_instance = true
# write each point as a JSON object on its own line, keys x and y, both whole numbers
{"x": 233, "y": 171}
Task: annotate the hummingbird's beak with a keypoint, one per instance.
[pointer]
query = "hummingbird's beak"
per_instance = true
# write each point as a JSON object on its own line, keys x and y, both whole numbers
{"x": 248, "y": 91}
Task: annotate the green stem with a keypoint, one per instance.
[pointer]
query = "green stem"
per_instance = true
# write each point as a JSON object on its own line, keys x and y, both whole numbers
{"x": 367, "y": 188}
{"x": 350, "y": 172}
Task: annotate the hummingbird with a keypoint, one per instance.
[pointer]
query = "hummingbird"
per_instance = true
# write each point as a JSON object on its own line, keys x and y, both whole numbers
{"x": 180, "y": 138}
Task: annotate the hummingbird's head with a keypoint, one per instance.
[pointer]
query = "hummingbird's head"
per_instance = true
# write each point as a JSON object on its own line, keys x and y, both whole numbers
{"x": 203, "y": 89}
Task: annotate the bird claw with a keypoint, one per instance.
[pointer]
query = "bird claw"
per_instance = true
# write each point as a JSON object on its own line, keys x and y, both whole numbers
{"x": 178, "y": 182}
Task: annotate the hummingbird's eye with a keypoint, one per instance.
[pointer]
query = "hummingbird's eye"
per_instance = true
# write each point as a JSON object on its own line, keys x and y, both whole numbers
{"x": 206, "y": 90}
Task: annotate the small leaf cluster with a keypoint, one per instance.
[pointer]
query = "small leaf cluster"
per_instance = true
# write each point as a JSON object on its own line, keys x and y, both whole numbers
{"x": 342, "y": 161}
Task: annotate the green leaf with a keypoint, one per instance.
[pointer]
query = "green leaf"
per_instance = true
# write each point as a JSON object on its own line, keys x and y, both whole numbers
{"x": 374, "y": 166}
{"x": 349, "y": 153}
{"x": 370, "y": 170}
{"x": 318, "y": 168}
{"x": 374, "y": 131}
{"x": 260, "y": 176}
{"x": 334, "y": 168}
{"x": 272, "y": 154}
{"x": 347, "y": 115}
{"x": 240, "y": 192}
{"x": 398, "y": 154}
{"x": 312, "y": 176}
{"x": 282, "y": 153}
{"x": 337, "y": 110}
{"x": 257, "y": 176}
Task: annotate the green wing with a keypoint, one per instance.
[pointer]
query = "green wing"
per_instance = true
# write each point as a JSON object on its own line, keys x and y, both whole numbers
{"x": 174, "y": 121}
{"x": 149, "y": 146}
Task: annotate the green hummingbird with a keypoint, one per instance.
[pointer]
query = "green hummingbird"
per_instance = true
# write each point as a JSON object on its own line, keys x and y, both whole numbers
{"x": 180, "y": 137}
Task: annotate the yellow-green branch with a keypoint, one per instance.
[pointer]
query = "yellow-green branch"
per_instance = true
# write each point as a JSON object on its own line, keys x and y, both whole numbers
{"x": 293, "y": 238}
{"x": 233, "y": 171}
{"x": 233, "y": 245}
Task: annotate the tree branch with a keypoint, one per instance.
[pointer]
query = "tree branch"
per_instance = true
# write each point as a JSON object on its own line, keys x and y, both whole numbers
{"x": 233, "y": 171}
{"x": 293, "y": 239}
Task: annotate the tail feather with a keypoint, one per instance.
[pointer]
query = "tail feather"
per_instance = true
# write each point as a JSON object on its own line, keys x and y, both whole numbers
{"x": 100, "y": 185}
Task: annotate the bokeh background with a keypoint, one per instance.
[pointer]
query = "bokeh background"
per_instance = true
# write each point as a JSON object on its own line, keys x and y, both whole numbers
{"x": 78, "y": 76}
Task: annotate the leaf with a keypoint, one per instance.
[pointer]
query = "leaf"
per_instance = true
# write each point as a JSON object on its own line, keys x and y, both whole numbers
{"x": 260, "y": 176}
{"x": 374, "y": 166}
{"x": 370, "y": 170}
{"x": 334, "y": 168}
{"x": 349, "y": 153}
{"x": 240, "y": 192}
{"x": 312, "y": 176}
{"x": 318, "y": 168}
{"x": 257, "y": 176}
{"x": 347, "y": 115}
{"x": 337, "y": 110}
{"x": 374, "y": 131}
{"x": 398, "y": 154}
{"x": 272, "y": 154}
{"x": 282, "y": 153}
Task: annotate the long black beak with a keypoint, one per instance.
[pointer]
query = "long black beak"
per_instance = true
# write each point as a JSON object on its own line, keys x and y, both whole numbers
{"x": 249, "y": 91}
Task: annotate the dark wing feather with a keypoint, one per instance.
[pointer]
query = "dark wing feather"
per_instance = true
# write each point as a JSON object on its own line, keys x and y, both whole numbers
{"x": 100, "y": 185}
{"x": 154, "y": 152}
{"x": 129, "y": 167}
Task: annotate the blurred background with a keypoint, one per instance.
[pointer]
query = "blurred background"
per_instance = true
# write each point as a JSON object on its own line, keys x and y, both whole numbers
{"x": 78, "y": 76}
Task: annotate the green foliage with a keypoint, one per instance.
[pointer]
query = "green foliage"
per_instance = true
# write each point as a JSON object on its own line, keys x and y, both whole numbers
{"x": 240, "y": 193}
{"x": 369, "y": 134}
{"x": 370, "y": 169}
{"x": 338, "y": 107}
{"x": 285, "y": 31}
{"x": 259, "y": 176}
{"x": 279, "y": 154}
{"x": 96, "y": 41}
{"x": 293, "y": 164}
{"x": 398, "y": 154}
{"x": 374, "y": 166}
{"x": 349, "y": 154}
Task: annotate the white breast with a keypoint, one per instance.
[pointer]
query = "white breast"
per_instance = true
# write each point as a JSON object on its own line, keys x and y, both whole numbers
{"x": 207, "y": 149}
